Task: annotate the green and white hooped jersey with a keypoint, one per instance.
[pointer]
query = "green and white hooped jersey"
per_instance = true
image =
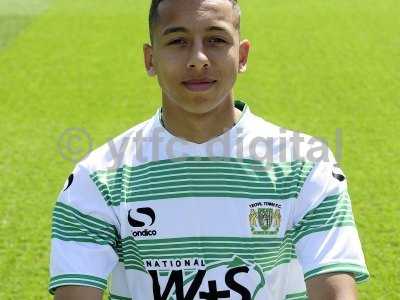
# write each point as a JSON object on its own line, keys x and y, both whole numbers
{"x": 246, "y": 215}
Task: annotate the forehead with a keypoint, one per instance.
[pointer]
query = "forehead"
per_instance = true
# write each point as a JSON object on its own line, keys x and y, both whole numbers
{"x": 195, "y": 13}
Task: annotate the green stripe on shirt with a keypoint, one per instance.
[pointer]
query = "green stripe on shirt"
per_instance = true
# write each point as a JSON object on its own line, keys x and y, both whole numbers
{"x": 297, "y": 296}
{"x": 360, "y": 272}
{"x": 76, "y": 279}
{"x": 333, "y": 211}
{"x": 69, "y": 224}
{"x": 202, "y": 177}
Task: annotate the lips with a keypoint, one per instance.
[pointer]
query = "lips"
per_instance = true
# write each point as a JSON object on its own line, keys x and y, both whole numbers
{"x": 199, "y": 85}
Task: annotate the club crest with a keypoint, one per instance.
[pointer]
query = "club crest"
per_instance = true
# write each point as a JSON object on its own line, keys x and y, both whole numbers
{"x": 265, "y": 220}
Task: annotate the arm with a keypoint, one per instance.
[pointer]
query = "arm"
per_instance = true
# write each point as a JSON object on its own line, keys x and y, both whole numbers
{"x": 325, "y": 235}
{"x": 83, "y": 240}
{"x": 332, "y": 286}
{"x": 70, "y": 292}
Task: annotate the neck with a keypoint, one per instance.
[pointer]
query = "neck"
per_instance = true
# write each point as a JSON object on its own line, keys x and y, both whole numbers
{"x": 199, "y": 127}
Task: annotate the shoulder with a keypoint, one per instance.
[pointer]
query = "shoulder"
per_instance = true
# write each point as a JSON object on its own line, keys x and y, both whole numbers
{"x": 112, "y": 154}
{"x": 287, "y": 145}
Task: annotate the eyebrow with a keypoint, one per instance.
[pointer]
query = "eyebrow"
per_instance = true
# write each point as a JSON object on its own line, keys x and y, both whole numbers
{"x": 183, "y": 29}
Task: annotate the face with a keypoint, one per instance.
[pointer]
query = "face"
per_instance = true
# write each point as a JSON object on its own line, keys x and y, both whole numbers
{"x": 196, "y": 53}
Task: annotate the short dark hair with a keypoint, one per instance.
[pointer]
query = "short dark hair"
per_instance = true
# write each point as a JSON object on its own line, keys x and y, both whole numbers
{"x": 153, "y": 15}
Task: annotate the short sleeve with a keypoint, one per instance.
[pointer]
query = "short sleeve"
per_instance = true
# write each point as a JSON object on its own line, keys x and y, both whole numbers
{"x": 325, "y": 234}
{"x": 84, "y": 235}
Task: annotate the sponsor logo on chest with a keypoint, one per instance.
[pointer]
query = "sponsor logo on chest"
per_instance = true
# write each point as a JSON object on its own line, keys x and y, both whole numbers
{"x": 140, "y": 218}
{"x": 193, "y": 278}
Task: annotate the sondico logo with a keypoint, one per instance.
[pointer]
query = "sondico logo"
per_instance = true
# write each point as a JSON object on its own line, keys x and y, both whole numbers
{"x": 231, "y": 279}
{"x": 140, "y": 219}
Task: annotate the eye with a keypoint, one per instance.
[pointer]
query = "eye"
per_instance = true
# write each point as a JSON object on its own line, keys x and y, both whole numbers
{"x": 177, "y": 42}
{"x": 216, "y": 40}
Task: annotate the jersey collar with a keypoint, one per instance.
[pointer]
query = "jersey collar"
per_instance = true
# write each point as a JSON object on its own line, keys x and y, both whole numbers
{"x": 233, "y": 133}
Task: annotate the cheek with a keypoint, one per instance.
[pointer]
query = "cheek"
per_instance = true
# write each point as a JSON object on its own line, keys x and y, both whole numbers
{"x": 169, "y": 74}
{"x": 229, "y": 66}
{"x": 228, "y": 60}
{"x": 171, "y": 66}
{"x": 172, "y": 57}
{"x": 167, "y": 70}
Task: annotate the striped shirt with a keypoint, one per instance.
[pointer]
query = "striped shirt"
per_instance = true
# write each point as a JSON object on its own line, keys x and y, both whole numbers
{"x": 250, "y": 214}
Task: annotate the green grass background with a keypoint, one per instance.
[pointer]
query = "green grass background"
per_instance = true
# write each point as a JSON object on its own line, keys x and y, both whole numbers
{"x": 315, "y": 66}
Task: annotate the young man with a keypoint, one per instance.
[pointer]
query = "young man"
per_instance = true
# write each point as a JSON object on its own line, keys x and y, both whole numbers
{"x": 204, "y": 200}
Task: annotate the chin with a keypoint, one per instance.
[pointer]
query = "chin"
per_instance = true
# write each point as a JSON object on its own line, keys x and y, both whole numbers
{"x": 200, "y": 104}
{"x": 195, "y": 103}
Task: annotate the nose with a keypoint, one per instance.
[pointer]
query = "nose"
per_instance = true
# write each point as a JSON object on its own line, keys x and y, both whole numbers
{"x": 198, "y": 59}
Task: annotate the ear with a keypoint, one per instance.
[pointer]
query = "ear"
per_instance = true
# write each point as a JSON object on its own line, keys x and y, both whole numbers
{"x": 148, "y": 59}
{"x": 244, "y": 49}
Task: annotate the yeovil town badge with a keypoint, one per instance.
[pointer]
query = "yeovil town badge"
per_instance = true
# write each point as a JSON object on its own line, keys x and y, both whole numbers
{"x": 265, "y": 218}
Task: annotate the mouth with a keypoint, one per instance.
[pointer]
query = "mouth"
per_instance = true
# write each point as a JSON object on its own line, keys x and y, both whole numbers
{"x": 199, "y": 85}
